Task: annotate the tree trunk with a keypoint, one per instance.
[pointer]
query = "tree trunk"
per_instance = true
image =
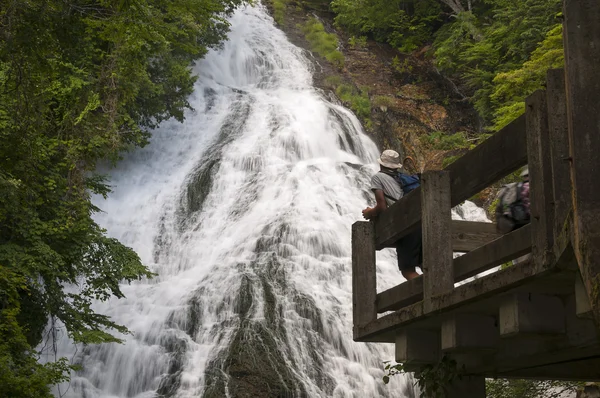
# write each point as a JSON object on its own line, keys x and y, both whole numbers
{"x": 455, "y": 5}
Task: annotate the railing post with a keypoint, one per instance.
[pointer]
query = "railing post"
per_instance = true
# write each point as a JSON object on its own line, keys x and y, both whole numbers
{"x": 436, "y": 217}
{"x": 582, "y": 59}
{"x": 540, "y": 175}
{"x": 364, "y": 273}
{"x": 559, "y": 148}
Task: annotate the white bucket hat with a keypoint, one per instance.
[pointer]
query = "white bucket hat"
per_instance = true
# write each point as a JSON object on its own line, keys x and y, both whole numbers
{"x": 390, "y": 159}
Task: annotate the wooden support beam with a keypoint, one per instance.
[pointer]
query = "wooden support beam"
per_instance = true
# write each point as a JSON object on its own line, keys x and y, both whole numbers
{"x": 495, "y": 253}
{"x": 417, "y": 347}
{"x": 438, "y": 272}
{"x": 467, "y": 386}
{"x": 582, "y": 300}
{"x": 523, "y": 313}
{"x": 480, "y": 289}
{"x": 364, "y": 283}
{"x": 470, "y": 235}
{"x": 494, "y": 158}
{"x": 400, "y": 296}
{"x": 559, "y": 148}
{"x": 582, "y": 370}
{"x": 540, "y": 173}
{"x": 499, "y": 155}
{"x": 582, "y": 58}
{"x": 466, "y": 332}
{"x": 400, "y": 219}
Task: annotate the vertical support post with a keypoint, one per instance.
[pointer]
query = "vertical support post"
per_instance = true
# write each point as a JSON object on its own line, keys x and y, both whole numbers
{"x": 438, "y": 272}
{"x": 582, "y": 59}
{"x": 540, "y": 176}
{"x": 559, "y": 148}
{"x": 364, "y": 274}
{"x": 469, "y": 386}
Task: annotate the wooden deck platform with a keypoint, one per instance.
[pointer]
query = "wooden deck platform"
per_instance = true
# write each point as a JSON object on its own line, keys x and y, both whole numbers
{"x": 539, "y": 318}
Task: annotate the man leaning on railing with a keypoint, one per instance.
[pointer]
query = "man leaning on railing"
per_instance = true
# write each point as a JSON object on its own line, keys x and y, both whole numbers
{"x": 388, "y": 191}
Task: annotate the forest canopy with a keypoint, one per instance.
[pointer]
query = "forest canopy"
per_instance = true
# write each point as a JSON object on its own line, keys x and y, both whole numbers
{"x": 497, "y": 51}
{"x": 80, "y": 81}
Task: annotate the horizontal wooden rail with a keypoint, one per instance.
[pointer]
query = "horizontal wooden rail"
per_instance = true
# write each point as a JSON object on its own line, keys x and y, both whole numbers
{"x": 496, "y": 157}
{"x": 496, "y": 252}
{"x": 469, "y": 235}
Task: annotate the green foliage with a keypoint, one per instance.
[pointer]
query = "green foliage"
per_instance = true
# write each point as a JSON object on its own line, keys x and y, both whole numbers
{"x": 358, "y": 42}
{"x": 357, "y": 100}
{"x": 382, "y": 101}
{"x": 445, "y": 142}
{"x": 79, "y": 83}
{"x": 497, "y": 51}
{"x": 449, "y": 160}
{"x": 333, "y": 81}
{"x": 279, "y": 7}
{"x": 404, "y": 24}
{"x": 433, "y": 379}
{"x": 502, "y": 388}
{"x": 510, "y": 88}
{"x": 323, "y": 43}
{"x": 497, "y": 36}
{"x": 403, "y": 66}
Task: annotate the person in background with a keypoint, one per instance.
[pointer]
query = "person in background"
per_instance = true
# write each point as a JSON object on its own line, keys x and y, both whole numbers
{"x": 512, "y": 211}
{"x": 387, "y": 192}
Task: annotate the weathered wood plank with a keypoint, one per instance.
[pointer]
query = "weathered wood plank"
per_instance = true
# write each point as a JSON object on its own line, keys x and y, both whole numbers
{"x": 397, "y": 221}
{"x": 469, "y": 235}
{"x": 496, "y": 157}
{"x": 582, "y": 59}
{"x": 559, "y": 147}
{"x": 540, "y": 172}
{"x": 526, "y": 313}
{"x": 438, "y": 273}
{"x": 417, "y": 346}
{"x": 499, "y": 155}
{"x": 465, "y": 332}
{"x": 498, "y": 282}
{"x": 579, "y": 370}
{"x": 400, "y": 296}
{"x": 364, "y": 283}
{"x": 495, "y": 253}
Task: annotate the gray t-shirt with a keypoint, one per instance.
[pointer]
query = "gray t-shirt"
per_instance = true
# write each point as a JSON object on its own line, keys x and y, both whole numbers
{"x": 388, "y": 185}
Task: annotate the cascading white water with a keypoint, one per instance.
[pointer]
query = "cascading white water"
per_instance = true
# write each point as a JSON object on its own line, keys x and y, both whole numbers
{"x": 244, "y": 211}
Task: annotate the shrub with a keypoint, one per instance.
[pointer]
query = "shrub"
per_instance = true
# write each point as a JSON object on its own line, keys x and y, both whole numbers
{"x": 359, "y": 101}
{"x": 382, "y": 100}
{"x": 440, "y": 141}
{"x": 323, "y": 43}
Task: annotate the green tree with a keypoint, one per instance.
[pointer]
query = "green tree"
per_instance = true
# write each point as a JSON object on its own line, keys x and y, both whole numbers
{"x": 80, "y": 81}
{"x": 502, "y": 388}
{"x": 511, "y": 88}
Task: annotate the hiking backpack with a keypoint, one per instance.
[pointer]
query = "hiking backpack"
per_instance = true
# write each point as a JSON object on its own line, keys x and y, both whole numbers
{"x": 515, "y": 202}
{"x": 407, "y": 182}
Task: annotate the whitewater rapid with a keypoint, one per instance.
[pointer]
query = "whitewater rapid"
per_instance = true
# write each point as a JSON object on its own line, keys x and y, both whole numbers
{"x": 244, "y": 211}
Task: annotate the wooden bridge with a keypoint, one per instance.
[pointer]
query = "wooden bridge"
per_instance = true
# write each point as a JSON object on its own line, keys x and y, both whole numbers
{"x": 538, "y": 318}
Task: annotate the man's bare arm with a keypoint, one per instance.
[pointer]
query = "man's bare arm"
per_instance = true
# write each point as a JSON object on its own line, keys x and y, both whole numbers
{"x": 370, "y": 213}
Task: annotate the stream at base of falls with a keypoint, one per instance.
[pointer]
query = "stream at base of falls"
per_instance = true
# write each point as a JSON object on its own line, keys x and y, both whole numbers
{"x": 244, "y": 211}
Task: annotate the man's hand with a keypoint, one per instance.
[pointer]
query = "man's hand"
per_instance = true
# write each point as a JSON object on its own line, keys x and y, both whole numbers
{"x": 368, "y": 213}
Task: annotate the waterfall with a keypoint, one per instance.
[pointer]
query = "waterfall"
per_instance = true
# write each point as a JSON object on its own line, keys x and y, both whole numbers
{"x": 244, "y": 211}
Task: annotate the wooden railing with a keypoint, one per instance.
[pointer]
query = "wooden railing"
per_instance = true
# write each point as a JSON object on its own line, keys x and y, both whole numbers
{"x": 540, "y": 138}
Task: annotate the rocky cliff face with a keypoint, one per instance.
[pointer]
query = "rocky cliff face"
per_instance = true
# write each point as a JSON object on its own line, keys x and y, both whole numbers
{"x": 409, "y": 99}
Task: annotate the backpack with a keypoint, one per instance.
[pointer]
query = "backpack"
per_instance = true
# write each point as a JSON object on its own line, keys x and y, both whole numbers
{"x": 408, "y": 182}
{"x": 515, "y": 202}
